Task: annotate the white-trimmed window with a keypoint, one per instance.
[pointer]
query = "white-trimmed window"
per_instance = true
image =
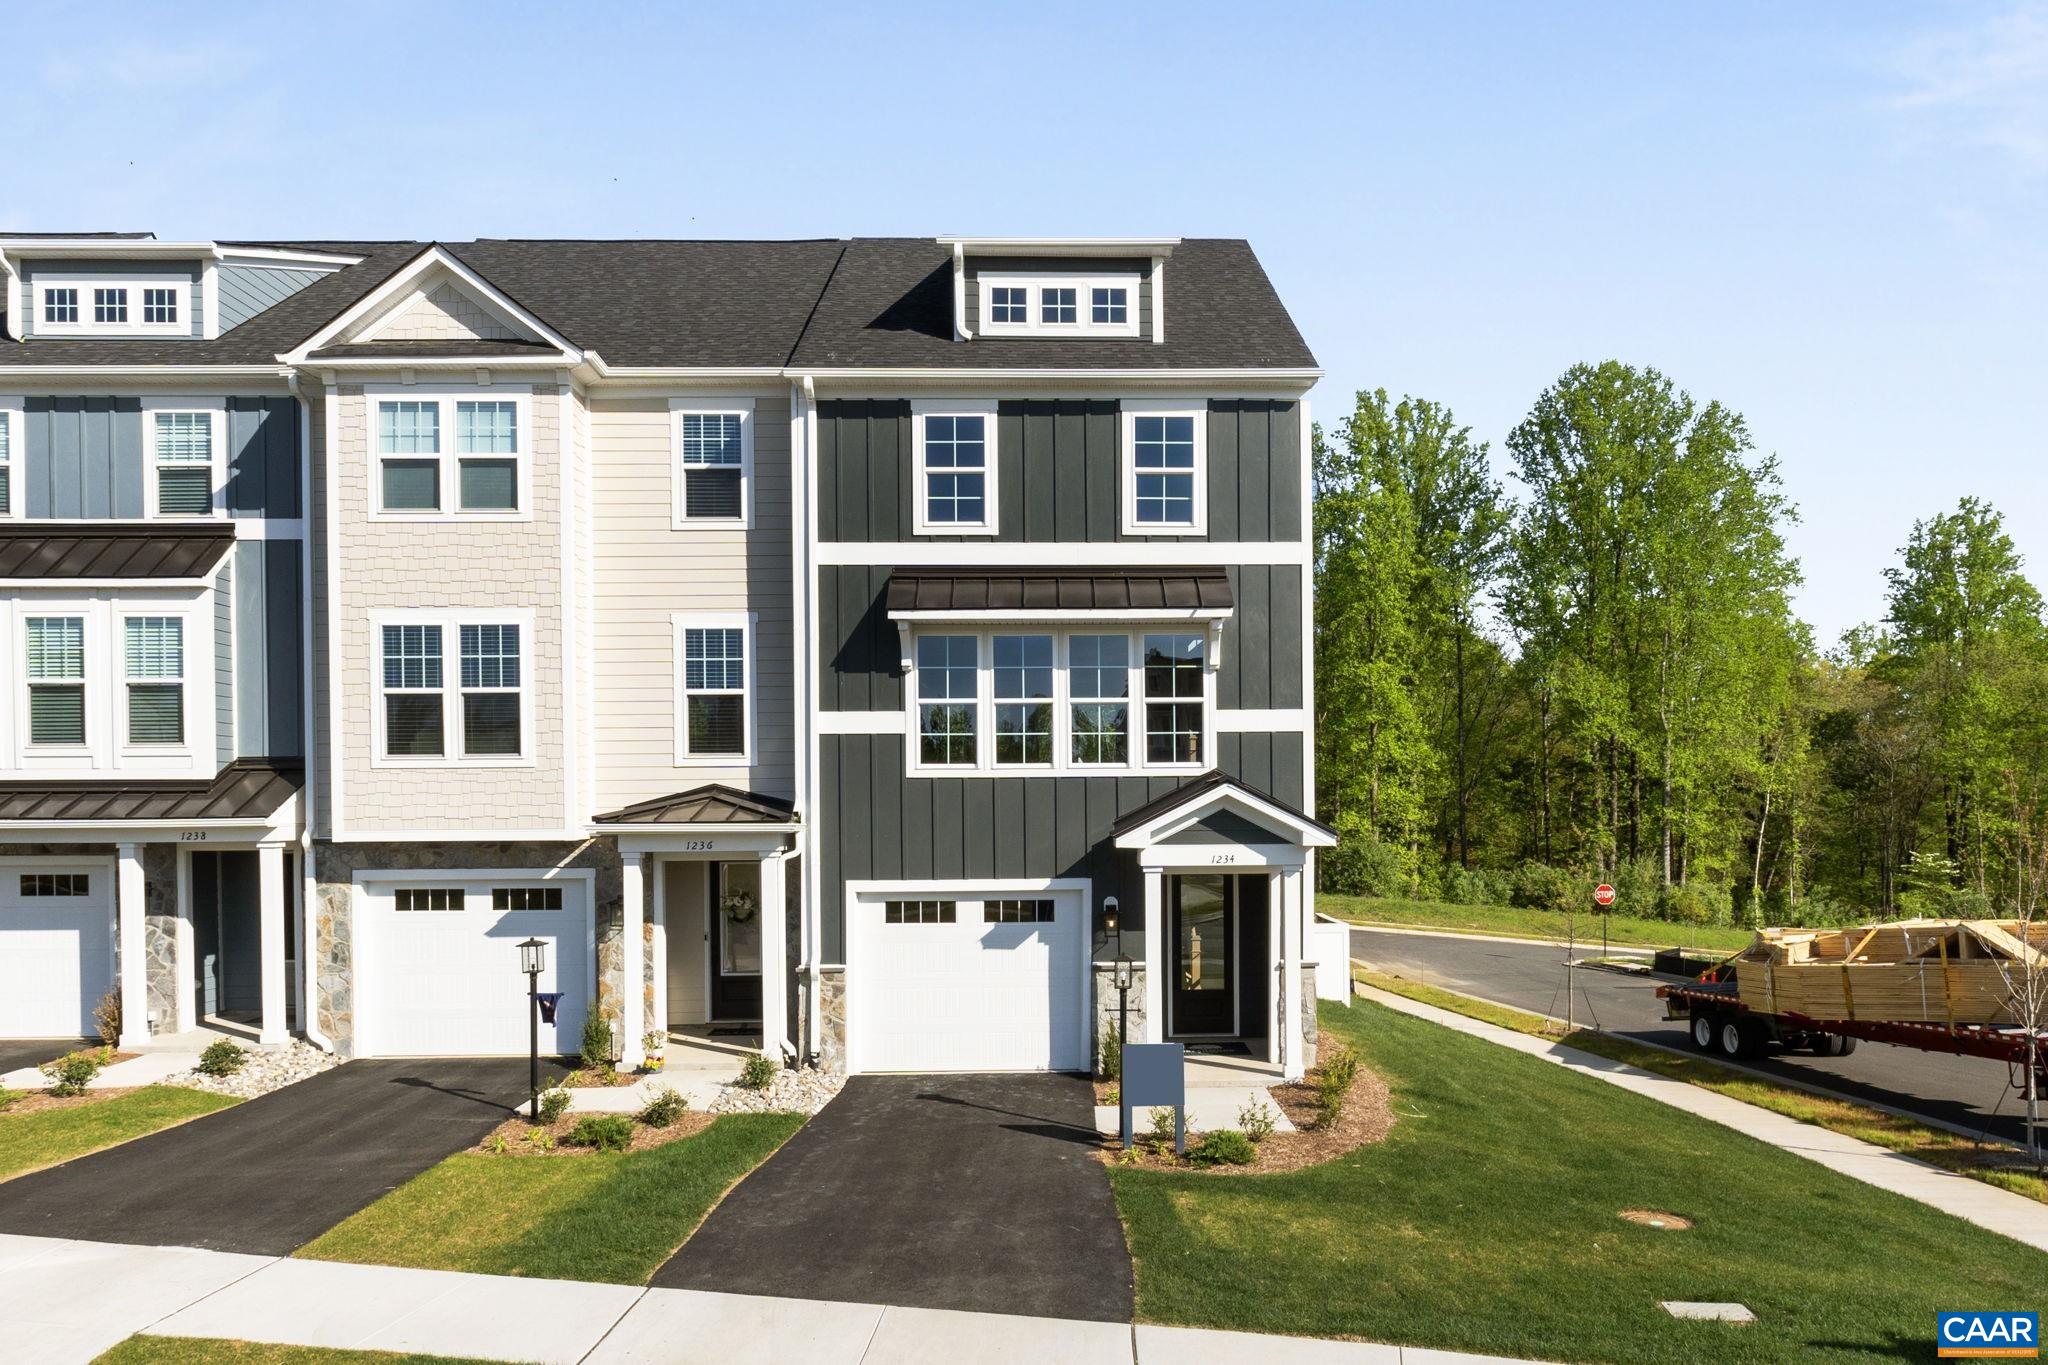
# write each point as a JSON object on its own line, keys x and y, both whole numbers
{"x": 1176, "y": 698}
{"x": 1165, "y": 470}
{"x": 120, "y": 307}
{"x": 54, "y": 656}
{"x": 153, "y": 666}
{"x": 954, "y": 466}
{"x": 1061, "y": 303}
{"x": 10, "y": 442}
{"x": 1023, "y": 699}
{"x": 714, "y": 462}
{"x": 450, "y": 455}
{"x": 948, "y": 700}
{"x": 1078, "y": 699}
{"x": 714, "y": 688}
{"x": 472, "y": 708}
{"x": 187, "y": 456}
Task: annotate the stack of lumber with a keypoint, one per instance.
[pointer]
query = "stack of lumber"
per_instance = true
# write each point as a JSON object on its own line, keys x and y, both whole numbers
{"x": 1939, "y": 971}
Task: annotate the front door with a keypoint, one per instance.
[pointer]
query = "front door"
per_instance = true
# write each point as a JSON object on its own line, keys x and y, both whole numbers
{"x": 1202, "y": 919}
{"x": 735, "y": 940}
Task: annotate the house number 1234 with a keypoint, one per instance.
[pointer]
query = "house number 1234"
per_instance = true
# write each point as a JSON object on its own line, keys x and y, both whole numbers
{"x": 1223, "y": 858}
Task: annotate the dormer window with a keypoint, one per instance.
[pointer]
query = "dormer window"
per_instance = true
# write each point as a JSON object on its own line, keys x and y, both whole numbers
{"x": 60, "y": 306}
{"x": 160, "y": 306}
{"x": 110, "y": 307}
{"x": 1059, "y": 303}
{"x": 90, "y": 307}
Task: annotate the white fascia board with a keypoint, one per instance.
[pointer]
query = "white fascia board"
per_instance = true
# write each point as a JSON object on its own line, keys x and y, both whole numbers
{"x": 1061, "y": 246}
{"x": 107, "y": 248}
{"x": 284, "y": 256}
{"x": 403, "y": 280}
{"x": 146, "y": 373}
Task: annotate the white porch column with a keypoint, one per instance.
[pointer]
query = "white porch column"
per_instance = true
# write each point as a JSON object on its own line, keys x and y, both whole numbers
{"x": 633, "y": 977}
{"x": 1290, "y": 970}
{"x": 657, "y": 948}
{"x": 270, "y": 922}
{"x": 188, "y": 961}
{"x": 134, "y": 950}
{"x": 1276, "y": 931}
{"x": 774, "y": 954}
{"x": 1156, "y": 966}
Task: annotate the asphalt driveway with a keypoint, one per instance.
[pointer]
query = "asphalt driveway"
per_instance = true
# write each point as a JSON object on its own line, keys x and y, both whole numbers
{"x": 16, "y": 1053}
{"x": 267, "y": 1176}
{"x": 969, "y": 1192}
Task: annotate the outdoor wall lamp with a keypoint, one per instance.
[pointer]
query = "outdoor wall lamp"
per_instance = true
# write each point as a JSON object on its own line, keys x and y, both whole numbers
{"x": 1109, "y": 915}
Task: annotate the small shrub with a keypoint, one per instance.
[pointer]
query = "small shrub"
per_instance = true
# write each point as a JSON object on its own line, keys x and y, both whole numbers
{"x": 665, "y": 1108}
{"x": 8, "y": 1099}
{"x": 106, "y": 1017}
{"x": 554, "y": 1102}
{"x": 1333, "y": 1084}
{"x": 1257, "y": 1120}
{"x": 1223, "y": 1147}
{"x": 497, "y": 1146}
{"x": 221, "y": 1058}
{"x": 758, "y": 1073}
{"x": 1162, "y": 1130}
{"x": 1361, "y": 865}
{"x": 597, "y": 1036}
{"x": 1540, "y": 887}
{"x": 1684, "y": 905}
{"x": 71, "y": 1073}
{"x": 605, "y": 1132}
{"x": 1112, "y": 1064}
{"x": 540, "y": 1139}
{"x": 1114, "y": 1095}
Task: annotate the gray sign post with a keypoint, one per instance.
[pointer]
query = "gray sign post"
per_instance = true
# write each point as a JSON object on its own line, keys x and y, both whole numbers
{"x": 1156, "y": 1074}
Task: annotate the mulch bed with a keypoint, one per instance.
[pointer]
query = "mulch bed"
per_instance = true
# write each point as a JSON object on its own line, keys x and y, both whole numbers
{"x": 517, "y": 1143}
{"x": 38, "y": 1101}
{"x": 1368, "y": 1116}
{"x": 601, "y": 1078}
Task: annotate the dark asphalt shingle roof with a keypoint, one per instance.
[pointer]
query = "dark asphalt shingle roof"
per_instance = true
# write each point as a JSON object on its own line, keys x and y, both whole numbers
{"x": 430, "y": 350}
{"x": 865, "y": 303}
{"x": 247, "y": 789}
{"x": 1004, "y": 589}
{"x": 117, "y": 550}
{"x": 1196, "y": 788}
{"x": 711, "y": 804}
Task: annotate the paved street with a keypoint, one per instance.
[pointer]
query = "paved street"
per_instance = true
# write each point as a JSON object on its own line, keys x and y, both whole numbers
{"x": 1967, "y": 1091}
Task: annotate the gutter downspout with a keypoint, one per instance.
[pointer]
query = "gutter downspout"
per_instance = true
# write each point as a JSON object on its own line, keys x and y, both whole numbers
{"x": 309, "y": 886}
{"x": 13, "y": 299}
{"x": 960, "y": 293}
{"x": 804, "y": 483}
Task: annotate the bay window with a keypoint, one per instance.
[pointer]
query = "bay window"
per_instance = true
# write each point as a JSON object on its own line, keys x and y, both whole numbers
{"x": 445, "y": 455}
{"x": 1099, "y": 683}
{"x": 473, "y": 713}
{"x": 1174, "y": 698}
{"x": 1023, "y": 700}
{"x": 153, "y": 661}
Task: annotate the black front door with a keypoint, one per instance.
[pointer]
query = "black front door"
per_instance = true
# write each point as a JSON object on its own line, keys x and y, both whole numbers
{"x": 1201, "y": 918}
{"x": 735, "y": 940}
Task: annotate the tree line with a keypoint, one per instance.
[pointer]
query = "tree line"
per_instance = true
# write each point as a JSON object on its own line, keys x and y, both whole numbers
{"x": 1604, "y": 678}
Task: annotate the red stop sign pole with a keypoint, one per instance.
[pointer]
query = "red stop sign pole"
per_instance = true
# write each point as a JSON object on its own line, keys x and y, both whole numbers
{"x": 1603, "y": 895}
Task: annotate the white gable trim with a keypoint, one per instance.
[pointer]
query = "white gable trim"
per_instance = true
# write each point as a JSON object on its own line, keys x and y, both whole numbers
{"x": 403, "y": 284}
{"x": 1171, "y": 822}
{"x": 423, "y": 292}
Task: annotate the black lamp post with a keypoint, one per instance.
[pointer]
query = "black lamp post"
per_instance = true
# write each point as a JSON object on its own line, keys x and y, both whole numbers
{"x": 533, "y": 960}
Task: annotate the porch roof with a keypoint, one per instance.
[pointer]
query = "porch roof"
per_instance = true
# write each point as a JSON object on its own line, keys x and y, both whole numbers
{"x": 981, "y": 589}
{"x": 1212, "y": 789}
{"x": 249, "y": 789}
{"x": 711, "y": 804}
{"x": 96, "y": 551}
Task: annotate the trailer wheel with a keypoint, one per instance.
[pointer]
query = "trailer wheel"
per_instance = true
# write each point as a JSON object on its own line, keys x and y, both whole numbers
{"x": 1839, "y": 1046}
{"x": 1703, "y": 1032}
{"x": 1740, "y": 1039}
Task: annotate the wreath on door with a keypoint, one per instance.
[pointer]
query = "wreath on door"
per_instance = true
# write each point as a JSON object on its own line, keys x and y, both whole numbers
{"x": 738, "y": 907}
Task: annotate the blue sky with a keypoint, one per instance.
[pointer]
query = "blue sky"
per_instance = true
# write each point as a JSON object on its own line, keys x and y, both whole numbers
{"x": 1828, "y": 216}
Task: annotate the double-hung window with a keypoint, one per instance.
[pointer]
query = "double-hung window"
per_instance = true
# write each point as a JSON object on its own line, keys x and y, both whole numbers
{"x": 8, "y": 441}
{"x": 714, "y": 467}
{"x": 490, "y": 691}
{"x": 955, "y": 464}
{"x": 948, "y": 699}
{"x": 1099, "y": 685}
{"x": 184, "y": 446}
{"x": 54, "y": 650}
{"x": 414, "y": 709}
{"x": 153, "y": 653}
{"x": 472, "y": 711}
{"x": 1023, "y": 700}
{"x": 445, "y": 455}
{"x": 110, "y": 306}
{"x": 713, "y": 702}
{"x": 1174, "y": 698}
{"x": 1165, "y": 475}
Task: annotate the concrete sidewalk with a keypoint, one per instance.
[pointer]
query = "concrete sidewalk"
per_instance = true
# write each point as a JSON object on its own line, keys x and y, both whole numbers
{"x": 180, "y": 1292}
{"x": 1987, "y": 1206}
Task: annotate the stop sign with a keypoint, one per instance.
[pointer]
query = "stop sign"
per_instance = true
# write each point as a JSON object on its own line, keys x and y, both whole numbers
{"x": 1603, "y": 894}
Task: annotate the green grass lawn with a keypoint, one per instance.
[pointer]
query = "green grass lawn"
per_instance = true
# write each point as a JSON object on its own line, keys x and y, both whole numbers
{"x": 605, "y": 1216}
{"x": 30, "y": 1141}
{"x": 1513, "y": 922}
{"x": 1488, "y": 1221}
{"x": 216, "y": 1351}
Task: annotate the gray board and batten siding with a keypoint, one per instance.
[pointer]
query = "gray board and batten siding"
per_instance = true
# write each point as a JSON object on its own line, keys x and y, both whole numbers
{"x": 82, "y": 459}
{"x": 111, "y": 272}
{"x": 1058, "y": 472}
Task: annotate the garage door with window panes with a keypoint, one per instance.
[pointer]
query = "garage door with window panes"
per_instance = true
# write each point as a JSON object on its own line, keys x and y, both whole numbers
{"x": 442, "y": 975}
{"x": 967, "y": 983}
{"x": 56, "y": 949}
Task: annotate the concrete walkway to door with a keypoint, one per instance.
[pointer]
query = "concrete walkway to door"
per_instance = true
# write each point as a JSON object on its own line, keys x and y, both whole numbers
{"x": 269, "y": 1175}
{"x": 959, "y": 1192}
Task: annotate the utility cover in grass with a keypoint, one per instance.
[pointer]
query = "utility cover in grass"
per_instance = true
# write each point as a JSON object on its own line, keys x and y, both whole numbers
{"x": 1707, "y": 1312}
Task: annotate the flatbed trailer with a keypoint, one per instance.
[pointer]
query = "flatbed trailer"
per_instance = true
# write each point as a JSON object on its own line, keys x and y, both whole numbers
{"x": 1720, "y": 1022}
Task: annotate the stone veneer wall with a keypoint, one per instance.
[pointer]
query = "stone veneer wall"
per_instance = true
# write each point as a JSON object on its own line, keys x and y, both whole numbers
{"x": 832, "y": 1019}
{"x": 160, "y": 933}
{"x": 1106, "y": 1002}
{"x": 335, "y": 865}
{"x": 1309, "y": 1005}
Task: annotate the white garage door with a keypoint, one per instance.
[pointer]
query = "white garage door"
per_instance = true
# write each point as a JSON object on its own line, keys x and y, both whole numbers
{"x": 967, "y": 983}
{"x": 56, "y": 947}
{"x": 440, "y": 976}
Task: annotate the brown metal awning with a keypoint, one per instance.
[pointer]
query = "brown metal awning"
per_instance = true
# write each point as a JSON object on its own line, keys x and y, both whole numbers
{"x": 965, "y": 590}
{"x": 246, "y": 790}
{"x": 707, "y": 805}
{"x": 93, "y": 551}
